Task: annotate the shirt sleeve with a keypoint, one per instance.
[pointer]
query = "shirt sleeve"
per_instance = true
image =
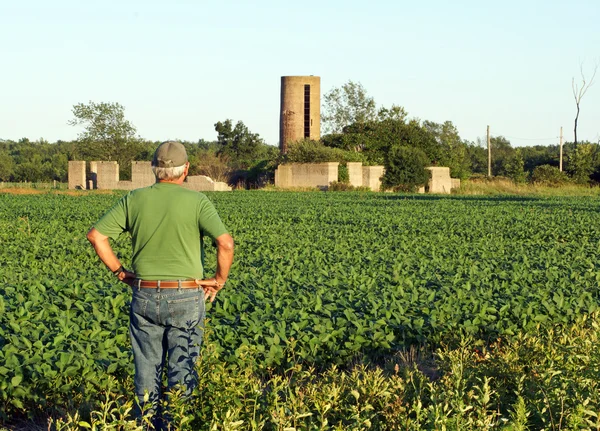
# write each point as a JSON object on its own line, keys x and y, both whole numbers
{"x": 209, "y": 220}
{"x": 114, "y": 222}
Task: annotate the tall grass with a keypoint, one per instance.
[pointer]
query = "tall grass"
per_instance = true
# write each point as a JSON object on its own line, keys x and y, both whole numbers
{"x": 56, "y": 185}
{"x": 503, "y": 186}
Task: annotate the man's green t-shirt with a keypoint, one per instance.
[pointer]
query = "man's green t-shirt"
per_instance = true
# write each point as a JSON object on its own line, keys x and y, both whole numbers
{"x": 165, "y": 221}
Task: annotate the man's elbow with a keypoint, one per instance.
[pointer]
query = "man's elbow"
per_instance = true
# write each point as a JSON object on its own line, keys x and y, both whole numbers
{"x": 92, "y": 235}
{"x": 225, "y": 242}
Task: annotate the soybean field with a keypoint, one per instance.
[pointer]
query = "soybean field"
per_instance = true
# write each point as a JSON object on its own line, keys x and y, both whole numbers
{"x": 319, "y": 278}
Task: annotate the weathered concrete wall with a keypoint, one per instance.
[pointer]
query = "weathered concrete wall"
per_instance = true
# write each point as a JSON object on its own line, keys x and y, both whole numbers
{"x": 202, "y": 183}
{"x": 142, "y": 175}
{"x": 283, "y": 177}
{"x": 107, "y": 175}
{"x": 355, "y": 173}
{"x": 125, "y": 185}
{"x": 440, "y": 181}
{"x": 77, "y": 174}
{"x": 298, "y": 112}
{"x": 371, "y": 177}
{"x": 221, "y": 187}
{"x": 322, "y": 174}
{"x": 306, "y": 175}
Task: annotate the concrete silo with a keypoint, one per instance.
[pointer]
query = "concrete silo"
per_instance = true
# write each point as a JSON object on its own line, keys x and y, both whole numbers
{"x": 300, "y": 115}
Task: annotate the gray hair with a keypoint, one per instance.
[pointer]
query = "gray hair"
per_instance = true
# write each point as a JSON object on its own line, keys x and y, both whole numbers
{"x": 168, "y": 174}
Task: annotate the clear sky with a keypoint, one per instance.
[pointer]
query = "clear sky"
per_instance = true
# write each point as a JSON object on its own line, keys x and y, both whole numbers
{"x": 178, "y": 67}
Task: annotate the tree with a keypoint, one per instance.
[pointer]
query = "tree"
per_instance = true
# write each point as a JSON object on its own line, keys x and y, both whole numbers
{"x": 348, "y": 104}
{"x": 310, "y": 151}
{"x": 453, "y": 151}
{"x": 396, "y": 113}
{"x": 579, "y": 92}
{"x": 405, "y": 169}
{"x": 538, "y": 155}
{"x": 581, "y": 163}
{"x": 514, "y": 167}
{"x": 477, "y": 155}
{"x": 6, "y": 166}
{"x": 502, "y": 152}
{"x": 375, "y": 139}
{"x": 107, "y": 135}
{"x": 240, "y": 146}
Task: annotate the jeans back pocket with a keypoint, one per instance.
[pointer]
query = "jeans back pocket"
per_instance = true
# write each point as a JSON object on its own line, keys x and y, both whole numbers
{"x": 185, "y": 312}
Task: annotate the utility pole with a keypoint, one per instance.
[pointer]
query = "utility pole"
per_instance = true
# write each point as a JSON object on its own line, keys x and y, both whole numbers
{"x": 489, "y": 153}
{"x": 561, "y": 150}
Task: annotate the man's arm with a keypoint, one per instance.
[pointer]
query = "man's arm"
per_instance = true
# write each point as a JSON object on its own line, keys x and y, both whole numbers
{"x": 107, "y": 255}
{"x": 225, "y": 247}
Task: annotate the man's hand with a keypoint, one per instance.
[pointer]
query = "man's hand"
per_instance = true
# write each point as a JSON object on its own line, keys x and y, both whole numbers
{"x": 210, "y": 293}
{"x": 126, "y": 277}
{"x": 107, "y": 255}
{"x": 211, "y": 287}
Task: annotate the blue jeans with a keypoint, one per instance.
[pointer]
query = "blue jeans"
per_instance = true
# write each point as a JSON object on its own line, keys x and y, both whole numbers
{"x": 166, "y": 325}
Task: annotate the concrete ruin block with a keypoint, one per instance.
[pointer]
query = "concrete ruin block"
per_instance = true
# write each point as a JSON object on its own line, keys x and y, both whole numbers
{"x": 220, "y": 186}
{"x": 125, "y": 185}
{"x": 439, "y": 181}
{"x": 306, "y": 175}
{"x": 202, "y": 183}
{"x": 142, "y": 175}
{"x": 331, "y": 171}
{"x": 456, "y": 183}
{"x": 77, "y": 174}
{"x": 107, "y": 175}
{"x": 283, "y": 177}
{"x": 355, "y": 173}
{"x": 371, "y": 177}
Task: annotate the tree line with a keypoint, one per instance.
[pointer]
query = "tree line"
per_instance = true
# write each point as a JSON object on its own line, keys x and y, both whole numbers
{"x": 355, "y": 130}
{"x": 236, "y": 155}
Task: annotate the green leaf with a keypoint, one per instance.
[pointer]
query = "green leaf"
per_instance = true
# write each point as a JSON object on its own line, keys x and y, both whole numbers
{"x": 16, "y": 380}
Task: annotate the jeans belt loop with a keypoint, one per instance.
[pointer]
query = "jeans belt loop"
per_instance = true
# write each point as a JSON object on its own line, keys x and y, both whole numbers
{"x": 158, "y": 286}
{"x": 179, "y": 286}
{"x": 139, "y": 284}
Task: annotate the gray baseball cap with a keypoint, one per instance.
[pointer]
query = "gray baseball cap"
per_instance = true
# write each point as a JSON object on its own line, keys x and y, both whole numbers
{"x": 170, "y": 154}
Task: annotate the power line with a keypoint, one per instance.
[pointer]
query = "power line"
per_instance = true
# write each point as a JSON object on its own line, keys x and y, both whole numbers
{"x": 529, "y": 139}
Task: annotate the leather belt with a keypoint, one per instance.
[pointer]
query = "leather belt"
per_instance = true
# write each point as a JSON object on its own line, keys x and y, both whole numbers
{"x": 166, "y": 284}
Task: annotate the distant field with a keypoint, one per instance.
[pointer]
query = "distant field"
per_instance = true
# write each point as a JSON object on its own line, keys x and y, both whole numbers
{"x": 338, "y": 276}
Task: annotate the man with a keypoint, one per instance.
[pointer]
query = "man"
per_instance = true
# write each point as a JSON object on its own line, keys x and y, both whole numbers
{"x": 166, "y": 223}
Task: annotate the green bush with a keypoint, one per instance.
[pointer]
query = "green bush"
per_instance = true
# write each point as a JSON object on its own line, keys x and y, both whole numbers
{"x": 514, "y": 167}
{"x": 343, "y": 176}
{"x": 405, "y": 169}
{"x": 309, "y": 151}
{"x": 338, "y": 186}
{"x": 580, "y": 163}
{"x": 549, "y": 176}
